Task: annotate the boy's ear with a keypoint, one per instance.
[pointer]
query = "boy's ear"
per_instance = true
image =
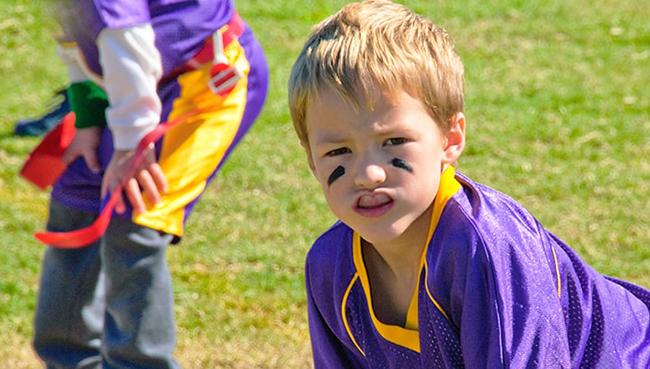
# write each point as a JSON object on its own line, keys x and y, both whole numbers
{"x": 455, "y": 139}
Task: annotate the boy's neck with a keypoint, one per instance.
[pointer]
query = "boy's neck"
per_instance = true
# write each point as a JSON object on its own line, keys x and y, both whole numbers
{"x": 392, "y": 283}
{"x": 396, "y": 259}
{"x": 393, "y": 271}
{"x": 404, "y": 253}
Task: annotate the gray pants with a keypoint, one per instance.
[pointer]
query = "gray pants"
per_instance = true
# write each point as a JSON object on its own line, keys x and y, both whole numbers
{"x": 106, "y": 305}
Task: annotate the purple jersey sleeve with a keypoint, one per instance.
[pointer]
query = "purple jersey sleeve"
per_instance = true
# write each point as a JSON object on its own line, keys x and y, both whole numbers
{"x": 497, "y": 287}
{"x": 328, "y": 349}
{"x": 328, "y": 274}
{"x": 520, "y": 297}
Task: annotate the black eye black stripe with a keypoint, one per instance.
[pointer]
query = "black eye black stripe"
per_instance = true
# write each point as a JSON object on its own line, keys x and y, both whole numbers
{"x": 399, "y": 163}
{"x": 339, "y": 171}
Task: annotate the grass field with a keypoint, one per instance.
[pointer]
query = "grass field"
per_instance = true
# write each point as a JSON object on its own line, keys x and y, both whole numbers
{"x": 558, "y": 117}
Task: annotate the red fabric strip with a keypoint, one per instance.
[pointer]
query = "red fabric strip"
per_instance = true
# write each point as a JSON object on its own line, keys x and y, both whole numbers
{"x": 44, "y": 166}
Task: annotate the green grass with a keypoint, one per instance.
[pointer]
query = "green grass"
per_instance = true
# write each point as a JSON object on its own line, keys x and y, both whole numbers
{"x": 558, "y": 117}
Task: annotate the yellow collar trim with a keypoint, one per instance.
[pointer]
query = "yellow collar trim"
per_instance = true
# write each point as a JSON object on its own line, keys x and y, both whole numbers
{"x": 448, "y": 187}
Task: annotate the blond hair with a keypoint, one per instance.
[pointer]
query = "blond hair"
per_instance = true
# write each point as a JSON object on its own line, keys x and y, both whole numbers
{"x": 373, "y": 45}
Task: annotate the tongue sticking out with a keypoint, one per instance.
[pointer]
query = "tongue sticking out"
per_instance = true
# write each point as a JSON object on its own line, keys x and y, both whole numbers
{"x": 373, "y": 201}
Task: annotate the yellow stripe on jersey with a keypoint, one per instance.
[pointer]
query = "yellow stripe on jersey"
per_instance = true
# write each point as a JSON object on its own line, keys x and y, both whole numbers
{"x": 345, "y": 317}
{"x": 557, "y": 273}
{"x": 192, "y": 150}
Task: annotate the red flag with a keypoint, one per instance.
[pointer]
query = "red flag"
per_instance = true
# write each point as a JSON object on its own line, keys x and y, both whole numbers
{"x": 44, "y": 166}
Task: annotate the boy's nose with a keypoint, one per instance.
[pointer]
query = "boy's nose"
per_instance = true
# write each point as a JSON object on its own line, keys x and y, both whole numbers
{"x": 370, "y": 175}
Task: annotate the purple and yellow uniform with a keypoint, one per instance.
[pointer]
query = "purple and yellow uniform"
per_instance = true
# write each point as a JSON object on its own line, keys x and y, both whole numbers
{"x": 133, "y": 64}
{"x": 192, "y": 152}
{"x": 496, "y": 290}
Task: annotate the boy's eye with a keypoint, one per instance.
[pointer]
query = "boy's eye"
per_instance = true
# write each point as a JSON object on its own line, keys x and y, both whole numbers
{"x": 339, "y": 151}
{"x": 395, "y": 141}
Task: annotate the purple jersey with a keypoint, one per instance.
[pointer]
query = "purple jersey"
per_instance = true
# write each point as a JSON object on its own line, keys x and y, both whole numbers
{"x": 496, "y": 290}
{"x": 180, "y": 26}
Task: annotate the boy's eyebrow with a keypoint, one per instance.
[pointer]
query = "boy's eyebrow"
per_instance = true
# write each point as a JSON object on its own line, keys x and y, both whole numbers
{"x": 391, "y": 130}
{"x": 329, "y": 139}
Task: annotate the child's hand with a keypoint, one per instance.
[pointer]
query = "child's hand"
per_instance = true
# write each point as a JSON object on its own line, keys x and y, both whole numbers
{"x": 84, "y": 143}
{"x": 148, "y": 176}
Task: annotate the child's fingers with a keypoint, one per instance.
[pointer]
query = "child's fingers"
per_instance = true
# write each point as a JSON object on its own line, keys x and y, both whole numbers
{"x": 149, "y": 186}
{"x": 91, "y": 161}
{"x": 120, "y": 207}
{"x": 133, "y": 194}
{"x": 69, "y": 156}
{"x": 158, "y": 177}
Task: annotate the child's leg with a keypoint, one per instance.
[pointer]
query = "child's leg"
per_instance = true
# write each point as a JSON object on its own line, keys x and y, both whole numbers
{"x": 139, "y": 330}
{"x": 70, "y": 309}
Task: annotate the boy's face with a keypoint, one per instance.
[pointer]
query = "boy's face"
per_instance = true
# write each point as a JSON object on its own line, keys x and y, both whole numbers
{"x": 380, "y": 169}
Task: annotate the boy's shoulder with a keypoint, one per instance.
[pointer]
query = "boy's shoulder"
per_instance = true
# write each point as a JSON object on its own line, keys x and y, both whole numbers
{"x": 332, "y": 244}
{"x": 489, "y": 209}
{"x": 482, "y": 225}
{"x": 483, "y": 236}
{"x": 487, "y": 224}
{"x": 330, "y": 263}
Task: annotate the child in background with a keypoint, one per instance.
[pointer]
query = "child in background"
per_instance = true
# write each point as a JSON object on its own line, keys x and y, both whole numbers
{"x": 426, "y": 268}
{"x": 132, "y": 65}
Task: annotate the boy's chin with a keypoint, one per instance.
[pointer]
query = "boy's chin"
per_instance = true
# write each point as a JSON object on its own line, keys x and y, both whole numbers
{"x": 379, "y": 238}
{"x": 400, "y": 232}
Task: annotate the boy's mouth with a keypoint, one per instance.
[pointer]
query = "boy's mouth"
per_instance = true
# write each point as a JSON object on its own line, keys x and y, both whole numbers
{"x": 373, "y": 205}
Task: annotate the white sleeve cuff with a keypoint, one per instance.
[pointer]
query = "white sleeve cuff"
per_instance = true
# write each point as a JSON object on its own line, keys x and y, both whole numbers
{"x": 132, "y": 67}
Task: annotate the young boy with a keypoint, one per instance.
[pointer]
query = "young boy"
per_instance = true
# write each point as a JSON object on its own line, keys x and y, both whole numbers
{"x": 426, "y": 268}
